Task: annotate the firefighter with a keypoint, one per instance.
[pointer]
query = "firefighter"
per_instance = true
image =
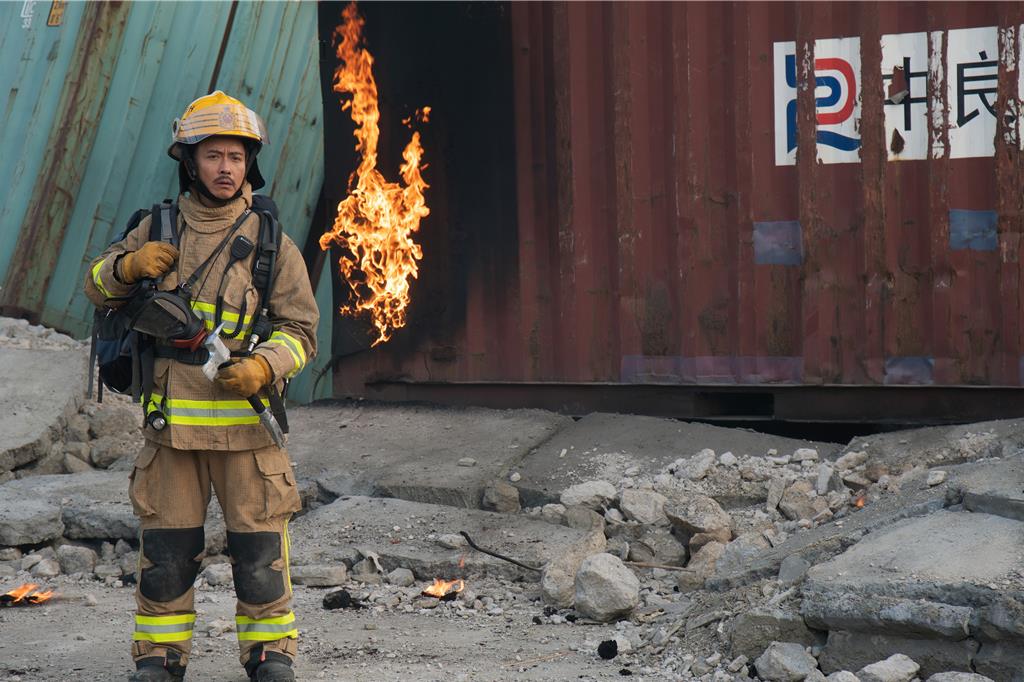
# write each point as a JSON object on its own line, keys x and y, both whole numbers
{"x": 208, "y": 434}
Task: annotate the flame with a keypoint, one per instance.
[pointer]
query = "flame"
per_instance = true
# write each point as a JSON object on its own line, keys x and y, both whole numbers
{"x": 858, "y": 501}
{"x": 19, "y": 592}
{"x": 375, "y": 222}
{"x": 39, "y": 597}
{"x": 442, "y": 588}
{"x": 21, "y": 595}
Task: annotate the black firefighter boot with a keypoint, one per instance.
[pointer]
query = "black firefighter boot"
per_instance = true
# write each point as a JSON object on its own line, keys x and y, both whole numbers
{"x": 269, "y": 666}
{"x": 159, "y": 669}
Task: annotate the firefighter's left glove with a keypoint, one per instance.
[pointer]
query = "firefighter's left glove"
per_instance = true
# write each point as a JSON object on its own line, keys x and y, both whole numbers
{"x": 151, "y": 260}
{"x": 245, "y": 376}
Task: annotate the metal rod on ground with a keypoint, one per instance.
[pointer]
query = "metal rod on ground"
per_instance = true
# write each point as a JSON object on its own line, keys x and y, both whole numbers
{"x": 496, "y": 555}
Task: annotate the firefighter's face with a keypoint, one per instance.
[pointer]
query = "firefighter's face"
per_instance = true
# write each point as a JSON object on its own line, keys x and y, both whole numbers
{"x": 220, "y": 163}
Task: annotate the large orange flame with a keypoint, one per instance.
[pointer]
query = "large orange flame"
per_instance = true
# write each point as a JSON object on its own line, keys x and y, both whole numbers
{"x": 376, "y": 221}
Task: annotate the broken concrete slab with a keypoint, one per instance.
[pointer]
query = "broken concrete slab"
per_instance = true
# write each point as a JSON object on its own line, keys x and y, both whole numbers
{"x": 751, "y": 632}
{"x": 818, "y": 544}
{"x": 606, "y": 446}
{"x": 42, "y": 390}
{"x": 948, "y": 583}
{"x": 404, "y": 534}
{"x": 91, "y": 506}
{"x": 364, "y": 449}
{"x": 28, "y": 521}
{"x": 933, "y": 446}
{"x": 854, "y": 650}
{"x": 995, "y": 487}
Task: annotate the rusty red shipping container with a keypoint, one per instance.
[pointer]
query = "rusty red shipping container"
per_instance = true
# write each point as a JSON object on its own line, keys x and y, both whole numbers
{"x": 750, "y": 195}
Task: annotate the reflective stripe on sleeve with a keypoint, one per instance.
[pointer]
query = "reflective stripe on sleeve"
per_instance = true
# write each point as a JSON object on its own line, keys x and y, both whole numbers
{"x": 294, "y": 348}
{"x": 176, "y": 628}
{"x": 266, "y": 629}
{"x": 97, "y": 280}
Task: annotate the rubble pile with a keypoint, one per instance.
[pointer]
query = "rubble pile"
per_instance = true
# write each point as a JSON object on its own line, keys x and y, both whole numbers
{"x": 700, "y": 553}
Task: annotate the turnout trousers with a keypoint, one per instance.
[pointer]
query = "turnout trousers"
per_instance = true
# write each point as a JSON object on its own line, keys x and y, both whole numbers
{"x": 170, "y": 492}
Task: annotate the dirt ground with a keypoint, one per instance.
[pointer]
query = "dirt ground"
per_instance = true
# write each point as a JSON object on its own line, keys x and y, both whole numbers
{"x": 92, "y": 642}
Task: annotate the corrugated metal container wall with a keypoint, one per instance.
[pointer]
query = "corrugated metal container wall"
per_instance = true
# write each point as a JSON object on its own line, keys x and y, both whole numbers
{"x": 690, "y": 210}
{"x": 86, "y": 124}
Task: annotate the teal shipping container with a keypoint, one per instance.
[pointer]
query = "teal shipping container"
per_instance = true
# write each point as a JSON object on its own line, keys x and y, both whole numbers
{"x": 88, "y": 91}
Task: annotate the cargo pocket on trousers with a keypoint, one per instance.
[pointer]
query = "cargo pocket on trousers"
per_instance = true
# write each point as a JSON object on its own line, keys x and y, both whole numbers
{"x": 281, "y": 494}
{"x": 139, "y": 481}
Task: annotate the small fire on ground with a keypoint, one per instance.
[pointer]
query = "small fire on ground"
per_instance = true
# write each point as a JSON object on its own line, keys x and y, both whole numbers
{"x": 444, "y": 589}
{"x": 375, "y": 223}
{"x": 25, "y": 595}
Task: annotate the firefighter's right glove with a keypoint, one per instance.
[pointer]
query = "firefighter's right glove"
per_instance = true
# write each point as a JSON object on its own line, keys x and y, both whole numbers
{"x": 152, "y": 260}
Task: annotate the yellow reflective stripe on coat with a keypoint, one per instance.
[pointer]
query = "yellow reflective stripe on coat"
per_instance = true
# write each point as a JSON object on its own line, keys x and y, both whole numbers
{"x": 266, "y": 629}
{"x": 208, "y": 311}
{"x": 204, "y": 412}
{"x": 177, "y": 628}
{"x": 97, "y": 280}
{"x": 294, "y": 347}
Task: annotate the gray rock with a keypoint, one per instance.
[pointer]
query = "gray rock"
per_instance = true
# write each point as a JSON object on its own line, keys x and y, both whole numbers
{"x": 592, "y": 495}
{"x": 959, "y": 677}
{"x": 793, "y": 570}
{"x": 219, "y": 575}
{"x": 785, "y": 662}
{"x": 47, "y": 568}
{"x": 107, "y": 571}
{"x": 694, "y": 514}
{"x": 752, "y": 631}
{"x": 643, "y": 506}
{"x": 7, "y": 570}
{"x": 656, "y": 544}
{"x": 727, "y": 459}
{"x": 27, "y": 520}
{"x": 936, "y": 477}
{"x": 698, "y": 466}
{"x": 466, "y": 462}
{"x": 800, "y": 502}
{"x": 73, "y": 465}
{"x": 128, "y": 563}
{"x": 366, "y": 571}
{"x": 402, "y": 577}
{"x": 500, "y": 496}
{"x": 558, "y": 579}
{"x": 52, "y": 463}
{"x": 77, "y": 429}
{"x": 78, "y": 450}
{"x": 605, "y": 588}
{"x": 121, "y": 548}
{"x": 613, "y": 515}
{"x": 75, "y": 559}
{"x": 451, "y": 541}
{"x": 701, "y": 567}
{"x": 815, "y": 676}
{"x": 111, "y": 420}
{"x": 896, "y": 668}
{"x": 320, "y": 575}
{"x": 553, "y": 513}
{"x": 10, "y": 554}
{"x": 583, "y": 519}
{"x": 829, "y": 480}
{"x": 842, "y": 676}
{"x": 776, "y": 487}
{"x": 804, "y": 455}
{"x": 851, "y": 460}
{"x": 106, "y": 450}
{"x": 741, "y": 551}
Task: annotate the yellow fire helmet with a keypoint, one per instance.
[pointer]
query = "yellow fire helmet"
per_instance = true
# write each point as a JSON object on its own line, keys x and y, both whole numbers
{"x": 218, "y": 114}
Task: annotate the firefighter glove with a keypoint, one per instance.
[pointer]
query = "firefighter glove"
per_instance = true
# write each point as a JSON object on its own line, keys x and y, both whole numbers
{"x": 245, "y": 376}
{"x": 152, "y": 260}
